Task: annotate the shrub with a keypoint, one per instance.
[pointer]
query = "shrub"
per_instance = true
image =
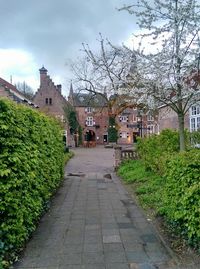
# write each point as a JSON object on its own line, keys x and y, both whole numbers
{"x": 31, "y": 167}
{"x": 195, "y": 138}
{"x": 182, "y": 193}
{"x": 156, "y": 149}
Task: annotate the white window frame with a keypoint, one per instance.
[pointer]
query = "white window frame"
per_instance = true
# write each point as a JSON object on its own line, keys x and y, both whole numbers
{"x": 123, "y": 118}
{"x": 150, "y": 117}
{"x": 89, "y": 109}
{"x": 195, "y": 110}
{"x": 89, "y": 121}
{"x": 123, "y": 135}
{"x": 195, "y": 118}
{"x": 192, "y": 125}
{"x": 150, "y": 129}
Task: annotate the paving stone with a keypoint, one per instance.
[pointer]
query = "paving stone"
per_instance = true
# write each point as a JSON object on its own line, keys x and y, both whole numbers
{"x": 72, "y": 248}
{"x": 93, "y": 257}
{"x": 149, "y": 238}
{"x": 117, "y": 266}
{"x": 111, "y": 239}
{"x": 93, "y": 266}
{"x": 113, "y": 247}
{"x": 70, "y": 259}
{"x": 136, "y": 256}
{"x": 106, "y": 232}
{"x": 115, "y": 257}
{"x": 126, "y": 225}
{"x": 69, "y": 267}
{"x": 97, "y": 247}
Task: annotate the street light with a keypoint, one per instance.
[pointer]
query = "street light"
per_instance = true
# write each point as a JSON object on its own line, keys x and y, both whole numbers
{"x": 139, "y": 122}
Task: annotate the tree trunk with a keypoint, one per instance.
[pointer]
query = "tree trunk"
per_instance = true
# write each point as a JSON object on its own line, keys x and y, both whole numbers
{"x": 181, "y": 131}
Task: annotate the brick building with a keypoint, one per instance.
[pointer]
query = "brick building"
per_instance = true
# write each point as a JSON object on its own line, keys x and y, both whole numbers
{"x": 50, "y": 100}
{"x": 49, "y": 97}
{"x": 167, "y": 118}
{"x": 92, "y": 114}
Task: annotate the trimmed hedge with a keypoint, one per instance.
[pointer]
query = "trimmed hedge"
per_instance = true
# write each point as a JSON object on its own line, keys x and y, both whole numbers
{"x": 181, "y": 194}
{"x": 31, "y": 168}
{"x": 169, "y": 182}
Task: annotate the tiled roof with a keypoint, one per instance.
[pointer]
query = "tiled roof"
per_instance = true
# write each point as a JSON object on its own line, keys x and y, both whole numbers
{"x": 89, "y": 99}
{"x": 17, "y": 95}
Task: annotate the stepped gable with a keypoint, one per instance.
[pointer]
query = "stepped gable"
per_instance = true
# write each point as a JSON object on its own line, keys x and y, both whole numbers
{"x": 49, "y": 96}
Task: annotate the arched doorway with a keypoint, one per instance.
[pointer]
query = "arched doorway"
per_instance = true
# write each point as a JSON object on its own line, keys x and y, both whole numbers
{"x": 90, "y": 138}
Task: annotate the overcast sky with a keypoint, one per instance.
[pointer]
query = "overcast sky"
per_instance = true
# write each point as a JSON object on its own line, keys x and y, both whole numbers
{"x": 49, "y": 32}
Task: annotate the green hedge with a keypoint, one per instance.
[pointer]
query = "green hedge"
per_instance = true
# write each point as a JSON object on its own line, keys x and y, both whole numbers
{"x": 154, "y": 150}
{"x": 181, "y": 194}
{"x": 169, "y": 182}
{"x": 31, "y": 168}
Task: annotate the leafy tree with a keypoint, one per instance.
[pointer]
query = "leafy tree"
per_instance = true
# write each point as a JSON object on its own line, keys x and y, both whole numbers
{"x": 171, "y": 74}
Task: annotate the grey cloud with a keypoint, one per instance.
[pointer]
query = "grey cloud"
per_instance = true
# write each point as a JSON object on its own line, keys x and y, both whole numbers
{"x": 53, "y": 30}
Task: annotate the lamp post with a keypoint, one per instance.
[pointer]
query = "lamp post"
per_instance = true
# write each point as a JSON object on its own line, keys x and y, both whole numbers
{"x": 139, "y": 122}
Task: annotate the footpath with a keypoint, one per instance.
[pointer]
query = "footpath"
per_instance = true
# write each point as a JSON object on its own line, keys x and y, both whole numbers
{"x": 94, "y": 224}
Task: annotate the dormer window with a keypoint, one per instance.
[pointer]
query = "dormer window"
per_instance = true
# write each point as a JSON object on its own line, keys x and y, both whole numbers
{"x": 150, "y": 117}
{"x": 123, "y": 118}
{"x": 88, "y": 110}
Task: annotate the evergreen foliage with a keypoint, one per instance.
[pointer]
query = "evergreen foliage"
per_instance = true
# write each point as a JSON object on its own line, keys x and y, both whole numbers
{"x": 112, "y": 131}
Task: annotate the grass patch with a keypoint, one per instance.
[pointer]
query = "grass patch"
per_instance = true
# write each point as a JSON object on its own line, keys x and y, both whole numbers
{"x": 145, "y": 184}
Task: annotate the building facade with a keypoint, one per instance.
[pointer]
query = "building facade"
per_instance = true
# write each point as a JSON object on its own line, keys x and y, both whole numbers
{"x": 49, "y": 96}
{"x": 167, "y": 118}
{"x": 92, "y": 114}
{"x": 50, "y": 100}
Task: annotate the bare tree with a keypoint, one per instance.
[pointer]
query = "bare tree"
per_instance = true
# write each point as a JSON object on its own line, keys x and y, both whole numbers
{"x": 105, "y": 72}
{"x": 170, "y": 74}
{"x": 25, "y": 89}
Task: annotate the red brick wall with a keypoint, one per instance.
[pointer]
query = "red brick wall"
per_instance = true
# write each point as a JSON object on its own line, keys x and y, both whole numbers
{"x": 100, "y": 117}
{"x": 169, "y": 119}
{"x": 49, "y": 90}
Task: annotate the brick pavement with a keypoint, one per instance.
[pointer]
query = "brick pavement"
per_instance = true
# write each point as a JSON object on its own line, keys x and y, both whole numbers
{"x": 94, "y": 224}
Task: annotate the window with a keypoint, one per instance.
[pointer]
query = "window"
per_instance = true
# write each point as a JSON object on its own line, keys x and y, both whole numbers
{"x": 123, "y": 119}
{"x": 150, "y": 129}
{"x": 150, "y": 117}
{"x": 89, "y": 121}
{"x": 195, "y": 118}
{"x": 195, "y": 110}
{"x": 198, "y": 123}
{"x": 48, "y": 101}
{"x": 123, "y": 135}
{"x": 134, "y": 118}
{"x": 89, "y": 110}
{"x": 192, "y": 124}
